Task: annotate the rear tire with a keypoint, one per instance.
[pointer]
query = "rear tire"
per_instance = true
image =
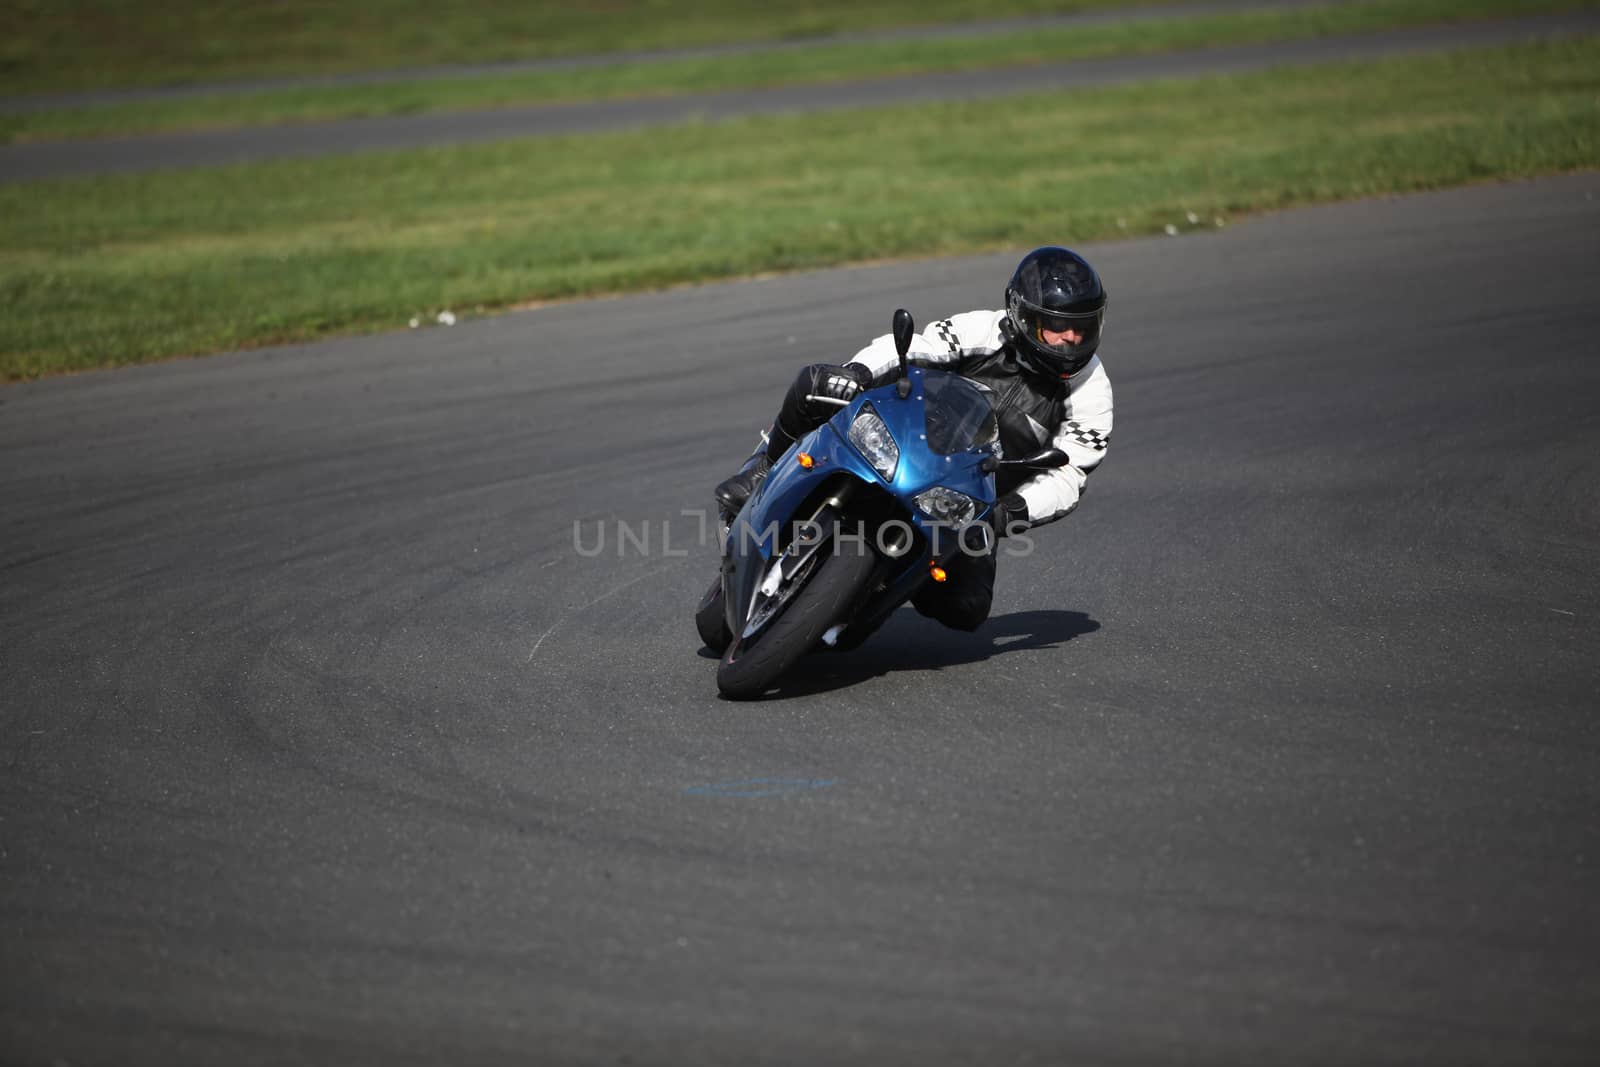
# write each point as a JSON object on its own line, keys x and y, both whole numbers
{"x": 711, "y": 621}
{"x": 749, "y": 668}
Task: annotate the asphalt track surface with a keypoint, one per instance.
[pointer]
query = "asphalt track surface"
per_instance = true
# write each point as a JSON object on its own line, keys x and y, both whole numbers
{"x": 322, "y": 743}
{"x": 63, "y": 159}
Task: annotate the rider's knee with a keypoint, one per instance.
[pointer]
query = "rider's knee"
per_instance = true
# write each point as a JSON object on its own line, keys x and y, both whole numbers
{"x": 963, "y": 613}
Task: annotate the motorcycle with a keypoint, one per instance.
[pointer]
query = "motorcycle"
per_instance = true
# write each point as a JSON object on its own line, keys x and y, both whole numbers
{"x": 854, "y": 519}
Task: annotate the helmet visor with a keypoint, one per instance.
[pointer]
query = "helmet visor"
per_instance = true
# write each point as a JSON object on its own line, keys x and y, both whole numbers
{"x": 1066, "y": 335}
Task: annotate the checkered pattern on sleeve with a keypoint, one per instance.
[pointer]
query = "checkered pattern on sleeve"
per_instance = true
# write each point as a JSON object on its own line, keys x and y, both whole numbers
{"x": 946, "y": 333}
{"x": 1088, "y": 438}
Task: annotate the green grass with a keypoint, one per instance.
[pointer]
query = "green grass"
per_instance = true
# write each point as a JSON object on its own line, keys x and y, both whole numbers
{"x": 120, "y": 270}
{"x": 806, "y": 65}
{"x": 50, "y": 45}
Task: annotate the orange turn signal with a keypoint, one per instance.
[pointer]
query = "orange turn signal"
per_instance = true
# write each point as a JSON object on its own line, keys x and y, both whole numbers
{"x": 937, "y": 572}
{"x": 806, "y": 461}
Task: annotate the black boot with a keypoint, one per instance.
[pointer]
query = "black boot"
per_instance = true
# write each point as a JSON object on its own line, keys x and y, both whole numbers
{"x": 733, "y": 492}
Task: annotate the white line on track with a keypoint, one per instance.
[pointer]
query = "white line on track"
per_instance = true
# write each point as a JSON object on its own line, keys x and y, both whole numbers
{"x": 584, "y": 607}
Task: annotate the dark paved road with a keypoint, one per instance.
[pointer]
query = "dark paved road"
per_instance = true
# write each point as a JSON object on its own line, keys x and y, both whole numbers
{"x": 907, "y": 34}
{"x": 321, "y": 744}
{"x": 63, "y": 159}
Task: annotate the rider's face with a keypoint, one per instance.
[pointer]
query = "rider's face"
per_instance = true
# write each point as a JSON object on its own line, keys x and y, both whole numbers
{"x": 1068, "y": 336}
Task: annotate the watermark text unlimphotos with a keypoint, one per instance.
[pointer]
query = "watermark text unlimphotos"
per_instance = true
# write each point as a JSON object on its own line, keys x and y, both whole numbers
{"x": 674, "y": 537}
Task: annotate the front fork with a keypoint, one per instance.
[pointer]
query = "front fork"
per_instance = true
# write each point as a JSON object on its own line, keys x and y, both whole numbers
{"x": 796, "y": 557}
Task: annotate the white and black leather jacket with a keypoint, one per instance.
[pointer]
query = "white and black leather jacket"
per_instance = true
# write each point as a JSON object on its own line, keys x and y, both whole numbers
{"x": 1036, "y": 410}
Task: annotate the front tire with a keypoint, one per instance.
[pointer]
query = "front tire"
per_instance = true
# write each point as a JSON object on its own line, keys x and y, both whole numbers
{"x": 750, "y": 666}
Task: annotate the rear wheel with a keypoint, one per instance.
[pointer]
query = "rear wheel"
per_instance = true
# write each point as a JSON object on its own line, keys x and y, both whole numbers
{"x": 750, "y": 665}
{"x": 710, "y": 620}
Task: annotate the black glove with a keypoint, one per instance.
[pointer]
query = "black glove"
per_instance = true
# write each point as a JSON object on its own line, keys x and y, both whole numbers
{"x": 832, "y": 385}
{"x": 1010, "y": 514}
{"x": 839, "y": 383}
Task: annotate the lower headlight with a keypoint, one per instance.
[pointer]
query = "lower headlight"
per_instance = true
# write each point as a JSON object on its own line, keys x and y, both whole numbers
{"x": 947, "y": 505}
{"x": 873, "y": 440}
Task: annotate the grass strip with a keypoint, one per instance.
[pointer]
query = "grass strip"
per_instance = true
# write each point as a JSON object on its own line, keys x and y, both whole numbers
{"x": 131, "y": 268}
{"x": 52, "y": 45}
{"x": 809, "y": 65}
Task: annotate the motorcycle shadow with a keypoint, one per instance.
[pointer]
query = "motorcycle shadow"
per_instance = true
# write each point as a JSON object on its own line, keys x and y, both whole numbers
{"x": 910, "y": 642}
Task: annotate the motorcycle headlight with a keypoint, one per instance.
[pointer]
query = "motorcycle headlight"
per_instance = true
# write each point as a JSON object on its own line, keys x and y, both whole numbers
{"x": 947, "y": 505}
{"x": 872, "y": 439}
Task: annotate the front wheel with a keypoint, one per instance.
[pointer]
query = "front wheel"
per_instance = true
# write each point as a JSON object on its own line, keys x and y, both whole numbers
{"x": 751, "y": 665}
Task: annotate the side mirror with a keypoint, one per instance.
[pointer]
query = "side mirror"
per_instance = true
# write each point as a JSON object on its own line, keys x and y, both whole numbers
{"x": 1049, "y": 459}
{"x": 904, "y": 327}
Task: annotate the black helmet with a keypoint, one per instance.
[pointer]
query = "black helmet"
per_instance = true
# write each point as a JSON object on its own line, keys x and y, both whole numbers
{"x": 1055, "y": 289}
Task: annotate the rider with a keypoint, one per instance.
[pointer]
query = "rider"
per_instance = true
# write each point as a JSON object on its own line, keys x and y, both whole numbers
{"x": 1037, "y": 360}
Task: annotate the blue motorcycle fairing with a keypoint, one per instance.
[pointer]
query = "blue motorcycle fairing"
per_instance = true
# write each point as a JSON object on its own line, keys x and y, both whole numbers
{"x": 760, "y": 527}
{"x": 920, "y": 468}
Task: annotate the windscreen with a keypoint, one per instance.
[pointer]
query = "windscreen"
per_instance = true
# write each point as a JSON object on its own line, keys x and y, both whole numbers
{"x": 959, "y": 414}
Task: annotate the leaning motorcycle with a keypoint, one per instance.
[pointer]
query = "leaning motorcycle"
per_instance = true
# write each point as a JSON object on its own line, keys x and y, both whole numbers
{"x": 886, "y": 496}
